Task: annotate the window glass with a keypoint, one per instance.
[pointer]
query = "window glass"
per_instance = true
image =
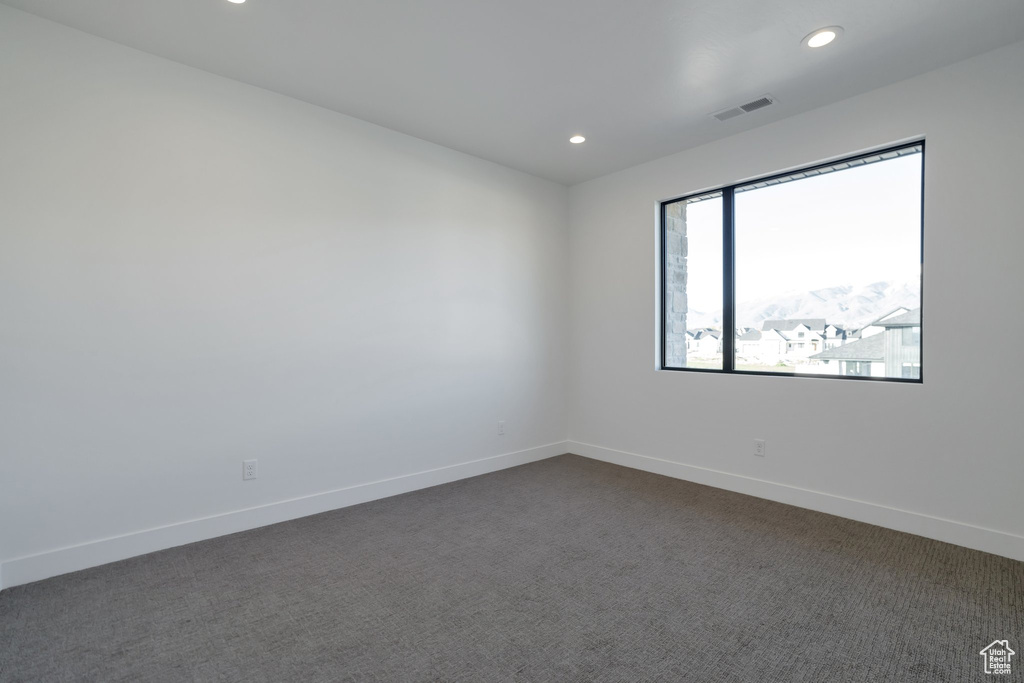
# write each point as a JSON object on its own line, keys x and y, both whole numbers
{"x": 838, "y": 248}
{"x": 821, "y": 272}
{"x": 693, "y": 283}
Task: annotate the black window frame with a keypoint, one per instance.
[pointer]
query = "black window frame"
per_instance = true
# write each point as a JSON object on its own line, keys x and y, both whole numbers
{"x": 729, "y": 270}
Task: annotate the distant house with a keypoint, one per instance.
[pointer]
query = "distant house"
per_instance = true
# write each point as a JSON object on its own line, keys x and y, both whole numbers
{"x": 878, "y": 325}
{"x": 705, "y": 342}
{"x": 802, "y": 341}
{"x": 895, "y": 352}
{"x": 859, "y": 358}
{"x": 792, "y": 338}
{"x": 748, "y": 343}
{"x": 834, "y": 336}
{"x": 903, "y": 345}
{"x": 814, "y": 324}
{"x": 772, "y": 346}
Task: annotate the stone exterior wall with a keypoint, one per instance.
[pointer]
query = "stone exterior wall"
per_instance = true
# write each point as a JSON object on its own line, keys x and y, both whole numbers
{"x": 675, "y": 285}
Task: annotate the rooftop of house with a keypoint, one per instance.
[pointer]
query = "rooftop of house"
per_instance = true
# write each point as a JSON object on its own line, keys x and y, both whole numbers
{"x": 817, "y": 324}
{"x": 881, "y": 320}
{"x": 908, "y": 319}
{"x": 868, "y": 349}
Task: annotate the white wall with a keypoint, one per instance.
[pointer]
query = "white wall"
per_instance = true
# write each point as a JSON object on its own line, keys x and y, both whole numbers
{"x": 943, "y": 459}
{"x": 194, "y": 272}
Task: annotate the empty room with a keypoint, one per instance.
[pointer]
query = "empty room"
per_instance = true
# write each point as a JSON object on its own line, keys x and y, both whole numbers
{"x": 494, "y": 340}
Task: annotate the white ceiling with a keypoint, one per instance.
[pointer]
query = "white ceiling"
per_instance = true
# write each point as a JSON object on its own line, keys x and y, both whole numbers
{"x": 511, "y": 80}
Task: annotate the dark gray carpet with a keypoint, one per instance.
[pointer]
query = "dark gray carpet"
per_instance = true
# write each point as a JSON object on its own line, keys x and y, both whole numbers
{"x": 561, "y": 570}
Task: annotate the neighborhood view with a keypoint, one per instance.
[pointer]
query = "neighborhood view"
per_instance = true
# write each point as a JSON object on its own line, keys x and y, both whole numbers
{"x": 826, "y": 266}
{"x": 874, "y": 331}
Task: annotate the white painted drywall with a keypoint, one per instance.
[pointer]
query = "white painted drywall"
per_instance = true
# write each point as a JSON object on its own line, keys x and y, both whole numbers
{"x": 194, "y": 272}
{"x": 950, "y": 448}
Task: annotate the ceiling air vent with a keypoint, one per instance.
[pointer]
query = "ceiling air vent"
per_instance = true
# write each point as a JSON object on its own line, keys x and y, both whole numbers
{"x": 753, "y": 105}
{"x": 759, "y": 103}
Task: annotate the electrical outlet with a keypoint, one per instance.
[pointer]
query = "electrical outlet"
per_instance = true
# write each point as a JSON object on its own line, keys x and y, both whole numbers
{"x": 759, "y": 447}
{"x": 250, "y": 469}
{"x": 501, "y": 428}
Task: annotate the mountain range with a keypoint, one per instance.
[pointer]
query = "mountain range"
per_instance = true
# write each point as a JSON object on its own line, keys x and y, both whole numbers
{"x": 847, "y": 306}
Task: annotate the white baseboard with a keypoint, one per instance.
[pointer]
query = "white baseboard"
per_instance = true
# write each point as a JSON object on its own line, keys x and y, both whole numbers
{"x": 93, "y": 553}
{"x": 958, "y": 533}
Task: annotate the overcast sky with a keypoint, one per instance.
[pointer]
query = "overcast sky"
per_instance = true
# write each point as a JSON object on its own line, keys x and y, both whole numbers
{"x": 851, "y": 227}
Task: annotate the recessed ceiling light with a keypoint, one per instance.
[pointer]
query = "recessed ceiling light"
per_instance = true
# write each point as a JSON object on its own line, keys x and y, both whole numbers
{"x": 823, "y": 36}
{"x": 577, "y": 139}
{"x": 237, "y": 2}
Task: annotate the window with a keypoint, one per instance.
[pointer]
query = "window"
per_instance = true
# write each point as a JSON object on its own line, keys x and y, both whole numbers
{"x": 911, "y": 336}
{"x": 693, "y": 277}
{"x": 754, "y": 271}
{"x": 858, "y": 369}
